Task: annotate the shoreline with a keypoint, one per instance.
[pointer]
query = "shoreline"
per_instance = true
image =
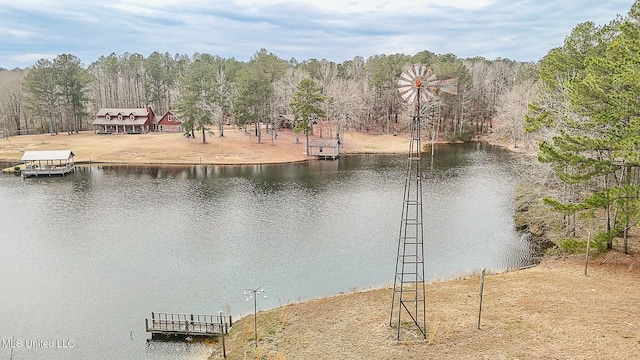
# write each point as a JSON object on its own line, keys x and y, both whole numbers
{"x": 172, "y": 149}
{"x": 235, "y": 148}
{"x": 548, "y": 311}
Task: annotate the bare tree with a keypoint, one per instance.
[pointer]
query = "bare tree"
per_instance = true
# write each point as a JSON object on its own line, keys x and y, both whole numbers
{"x": 12, "y": 109}
{"x": 512, "y": 107}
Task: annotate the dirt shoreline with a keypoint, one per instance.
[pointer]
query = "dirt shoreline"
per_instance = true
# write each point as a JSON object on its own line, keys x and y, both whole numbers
{"x": 235, "y": 148}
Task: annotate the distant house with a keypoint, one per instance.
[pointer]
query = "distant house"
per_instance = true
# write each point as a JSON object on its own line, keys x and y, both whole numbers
{"x": 124, "y": 121}
{"x": 324, "y": 149}
{"x": 168, "y": 123}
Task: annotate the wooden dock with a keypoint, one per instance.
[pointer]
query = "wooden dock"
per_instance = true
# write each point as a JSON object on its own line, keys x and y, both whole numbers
{"x": 47, "y": 163}
{"x": 48, "y": 170}
{"x": 188, "y": 325}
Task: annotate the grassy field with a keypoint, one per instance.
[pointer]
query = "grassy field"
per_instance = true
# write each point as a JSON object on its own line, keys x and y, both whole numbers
{"x": 236, "y": 147}
{"x": 551, "y": 311}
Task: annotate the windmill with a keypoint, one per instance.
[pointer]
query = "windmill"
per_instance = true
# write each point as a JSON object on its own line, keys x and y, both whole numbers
{"x": 415, "y": 79}
{"x": 417, "y": 84}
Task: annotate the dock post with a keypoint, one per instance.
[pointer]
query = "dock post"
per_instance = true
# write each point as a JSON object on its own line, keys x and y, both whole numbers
{"x": 222, "y": 325}
{"x": 146, "y": 324}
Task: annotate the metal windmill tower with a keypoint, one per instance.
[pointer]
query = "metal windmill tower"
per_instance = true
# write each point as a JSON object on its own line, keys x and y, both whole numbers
{"x": 416, "y": 84}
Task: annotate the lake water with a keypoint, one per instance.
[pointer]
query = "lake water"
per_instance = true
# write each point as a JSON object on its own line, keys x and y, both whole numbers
{"x": 86, "y": 258}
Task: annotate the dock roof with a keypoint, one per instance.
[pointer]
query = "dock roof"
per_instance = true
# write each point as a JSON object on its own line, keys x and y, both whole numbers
{"x": 323, "y": 143}
{"x": 47, "y": 155}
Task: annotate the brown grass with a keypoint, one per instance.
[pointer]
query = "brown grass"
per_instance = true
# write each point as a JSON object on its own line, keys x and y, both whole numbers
{"x": 551, "y": 311}
{"x": 237, "y": 147}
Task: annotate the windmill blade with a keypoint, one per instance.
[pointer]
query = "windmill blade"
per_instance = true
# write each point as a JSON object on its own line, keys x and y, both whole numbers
{"x": 405, "y": 89}
{"x": 406, "y": 76}
{"x": 413, "y": 96}
{"x": 411, "y": 72}
{"x": 431, "y": 77}
{"x": 403, "y": 82}
{"x": 419, "y": 69}
{"x": 428, "y": 73}
{"x": 406, "y": 95}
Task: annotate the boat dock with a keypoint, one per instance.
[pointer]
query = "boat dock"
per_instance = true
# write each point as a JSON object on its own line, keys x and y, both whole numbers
{"x": 47, "y": 163}
{"x": 188, "y": 325}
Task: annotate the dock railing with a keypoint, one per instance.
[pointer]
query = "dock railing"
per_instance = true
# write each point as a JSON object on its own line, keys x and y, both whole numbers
{"x": 61, "y": 169}
{"x": 188, "y": 324}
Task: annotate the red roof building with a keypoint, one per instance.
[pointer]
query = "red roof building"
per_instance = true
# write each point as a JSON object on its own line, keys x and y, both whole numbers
{"x": 124, "y": 121}
{"x": 168, "y": 123}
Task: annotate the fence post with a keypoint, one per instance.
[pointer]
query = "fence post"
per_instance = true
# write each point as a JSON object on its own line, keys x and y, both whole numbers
{"x": 481, "y": 293}
{"x": 586, "y": 263}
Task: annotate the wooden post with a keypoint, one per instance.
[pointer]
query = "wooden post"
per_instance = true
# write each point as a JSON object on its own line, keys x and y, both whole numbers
{"x": 482, "y": 273}
{"x": 146, "y": 324}
{"x": 586, "y": 263}
{"x": 222, "y": 329}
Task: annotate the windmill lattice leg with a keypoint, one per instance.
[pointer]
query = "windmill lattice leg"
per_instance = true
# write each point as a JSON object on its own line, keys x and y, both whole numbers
{"x": 408, "y": 286}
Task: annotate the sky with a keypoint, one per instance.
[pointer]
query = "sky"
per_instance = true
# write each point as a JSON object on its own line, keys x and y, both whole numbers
{"x": 336, "y": 30}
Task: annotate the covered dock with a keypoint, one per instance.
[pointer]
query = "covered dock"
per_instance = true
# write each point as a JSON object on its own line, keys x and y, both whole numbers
{"x": 324, "y": 149}
{"x": 51, "y": 162}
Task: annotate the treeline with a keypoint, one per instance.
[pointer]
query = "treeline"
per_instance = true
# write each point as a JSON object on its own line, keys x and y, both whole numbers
{"x": 586, "y": 118}
{"x": 63, "y": 95}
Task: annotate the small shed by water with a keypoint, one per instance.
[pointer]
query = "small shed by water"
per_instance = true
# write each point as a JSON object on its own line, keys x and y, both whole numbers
{"x": 324, "y": 149}
{"x": 51, "y": 162}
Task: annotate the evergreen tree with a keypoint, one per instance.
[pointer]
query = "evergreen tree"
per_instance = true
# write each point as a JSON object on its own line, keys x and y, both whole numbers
{"x": 590, "y": 105}
{"x": 306, "y": 106}
{"x": 198, "y": 90}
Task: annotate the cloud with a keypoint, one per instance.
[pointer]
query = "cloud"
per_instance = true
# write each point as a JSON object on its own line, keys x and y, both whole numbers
{"x": 369, "y": 6}
{"x": 336, "y": 30}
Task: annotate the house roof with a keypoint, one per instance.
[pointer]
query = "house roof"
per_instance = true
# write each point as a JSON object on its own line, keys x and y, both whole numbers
{"x": 125, "y": 111}
{"x": 323, "y": 143}
{"x": 114, "y": 121}
{"x": 140, "y": 114}
{"x": 175, "y": 120}
{"x": 47, "y": 155}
